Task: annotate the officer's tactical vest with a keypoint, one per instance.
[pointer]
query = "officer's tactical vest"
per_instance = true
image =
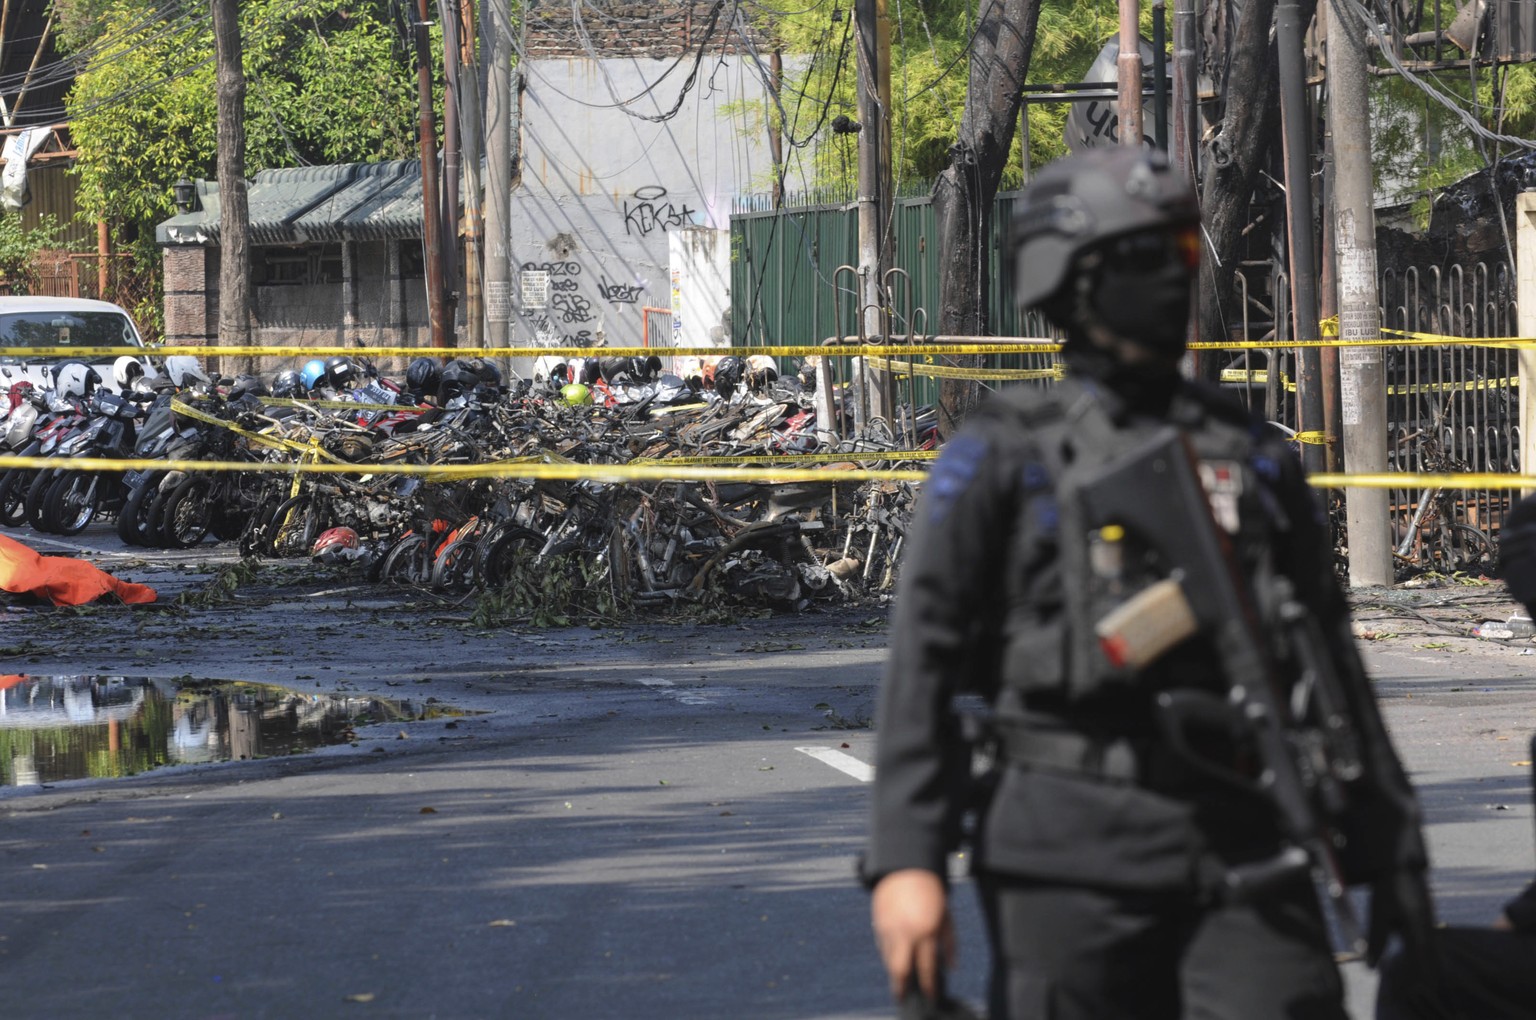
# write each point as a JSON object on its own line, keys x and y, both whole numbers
{"x": 1067, "y": 576}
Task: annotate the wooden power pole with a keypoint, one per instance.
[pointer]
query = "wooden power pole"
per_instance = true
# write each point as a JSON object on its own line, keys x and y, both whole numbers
{"x": 1362, "y": 377}
{"x": 234, "y": 205}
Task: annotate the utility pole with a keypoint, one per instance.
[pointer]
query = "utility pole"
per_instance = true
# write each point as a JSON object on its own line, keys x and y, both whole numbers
{"x": 872, "y": 19}
{"x": 471, "y": 132}
{"x": 1361, "y": 374}
{"x": 1128, "y": 64}
{"x": 1296, "y": 136}
{"x": 439, "y": 312}
{"x": 496, "y": 45}
{"x": 448, "y": 13}
{"x": 1186, "y": 87}
{"x": 234, "y": 205}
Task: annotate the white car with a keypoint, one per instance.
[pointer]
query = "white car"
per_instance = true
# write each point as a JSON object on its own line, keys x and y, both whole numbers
{"x": 62, "y": 322}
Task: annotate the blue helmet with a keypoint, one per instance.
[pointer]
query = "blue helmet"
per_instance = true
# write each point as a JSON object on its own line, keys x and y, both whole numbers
{"x": 312, "y": 372}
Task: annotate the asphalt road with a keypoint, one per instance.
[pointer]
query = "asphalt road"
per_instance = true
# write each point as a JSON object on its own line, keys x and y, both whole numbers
{"x": 657, "y": 820}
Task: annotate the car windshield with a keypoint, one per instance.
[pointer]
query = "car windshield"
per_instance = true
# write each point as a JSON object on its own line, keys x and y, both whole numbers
{"x": 66, "y": 329}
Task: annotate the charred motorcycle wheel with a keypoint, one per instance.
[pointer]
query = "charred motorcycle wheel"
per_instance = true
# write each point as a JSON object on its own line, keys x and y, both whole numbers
{"x": 186, "y": 513}
{"x": 294, "y": 526}
{"x": 408, "y": 562}
{"x": 502, "y": 550}
{"x": 454, "y": 567}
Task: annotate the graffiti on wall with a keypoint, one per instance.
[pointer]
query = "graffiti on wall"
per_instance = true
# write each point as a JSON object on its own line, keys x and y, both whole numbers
{"x": 620, "y": 293}
{"x": 649, "y": 210}
{"x": 547, "y": 333}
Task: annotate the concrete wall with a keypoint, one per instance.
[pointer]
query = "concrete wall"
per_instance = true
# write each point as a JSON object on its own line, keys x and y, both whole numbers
{"x": 601, "y": 190}
{"x": 390, "y": 310}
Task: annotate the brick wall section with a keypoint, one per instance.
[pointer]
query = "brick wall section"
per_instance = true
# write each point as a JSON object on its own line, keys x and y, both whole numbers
{"x": 661, "y": 30}
{"x": 191, "y": 308}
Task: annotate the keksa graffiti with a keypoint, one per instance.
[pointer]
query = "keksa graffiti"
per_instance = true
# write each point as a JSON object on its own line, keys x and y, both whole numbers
{"x": 648, "y": 210}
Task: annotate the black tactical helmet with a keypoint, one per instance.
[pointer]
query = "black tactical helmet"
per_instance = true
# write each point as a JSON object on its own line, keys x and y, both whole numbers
{"x": 1079, "y": 202}
{"x": 422, "y": 375}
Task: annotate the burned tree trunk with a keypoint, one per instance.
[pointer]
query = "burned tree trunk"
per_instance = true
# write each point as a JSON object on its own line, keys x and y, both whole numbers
{"x": 964, "y": 192}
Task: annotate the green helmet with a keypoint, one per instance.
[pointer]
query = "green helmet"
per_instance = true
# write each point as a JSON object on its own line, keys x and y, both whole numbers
{"x": 575, "y": 394}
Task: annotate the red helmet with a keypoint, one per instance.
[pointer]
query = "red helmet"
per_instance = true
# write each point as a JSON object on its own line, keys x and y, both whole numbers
{"x": 18, "y": 393}
{"x": 336, "y": 545}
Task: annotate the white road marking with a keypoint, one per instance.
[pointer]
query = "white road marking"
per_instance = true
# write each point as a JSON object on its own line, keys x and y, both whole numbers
{"x": 842, "y": 762}
{"x": 693, "y": 698}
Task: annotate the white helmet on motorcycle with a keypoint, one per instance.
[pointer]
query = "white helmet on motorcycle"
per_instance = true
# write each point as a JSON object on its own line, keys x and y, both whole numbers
{"x": 75, "y": 379}
{"x": 125, "y": 370}
{"x": 184, "y": 370}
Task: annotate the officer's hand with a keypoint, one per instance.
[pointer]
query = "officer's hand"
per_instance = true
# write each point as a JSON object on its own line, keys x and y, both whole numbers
{"x": 910, "y": 913}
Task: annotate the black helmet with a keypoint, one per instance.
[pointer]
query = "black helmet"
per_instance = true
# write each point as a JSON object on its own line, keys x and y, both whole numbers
{"x": 489, "y": 373}
{"x": 340, "y": 372}
{"x": 457, "y": 379}
{"x": 247, "y": 383}
{"x": 423, "y": 375}
{"x": 287, "y": 383}
{"x": 1077, "y": 203}
{"x": 646, "y": 368}
{"x": 728, "y": 373}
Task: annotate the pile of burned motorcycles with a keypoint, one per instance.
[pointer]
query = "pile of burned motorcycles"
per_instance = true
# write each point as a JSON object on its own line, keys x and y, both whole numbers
{"x": 639, "y": 542}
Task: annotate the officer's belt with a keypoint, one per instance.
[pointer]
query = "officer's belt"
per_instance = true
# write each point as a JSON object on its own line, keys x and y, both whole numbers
{"x": 1049, "y": 745}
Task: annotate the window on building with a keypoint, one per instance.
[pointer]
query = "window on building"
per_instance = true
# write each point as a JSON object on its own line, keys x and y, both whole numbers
{"x": 297, "y": 265}
{"x": 413, "y": 261}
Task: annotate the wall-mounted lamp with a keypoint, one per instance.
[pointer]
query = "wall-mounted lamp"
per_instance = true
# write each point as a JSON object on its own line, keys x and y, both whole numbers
{"x": 186, "y": 195}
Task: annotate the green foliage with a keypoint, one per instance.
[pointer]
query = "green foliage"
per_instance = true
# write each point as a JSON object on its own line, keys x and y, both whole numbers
{"x": 930, "y": 42}
{"x": 326, "y": 82}
{"x": 19, "y": 248}
{"x": 553, "y": 592}
{"x": 1419, "y": 146}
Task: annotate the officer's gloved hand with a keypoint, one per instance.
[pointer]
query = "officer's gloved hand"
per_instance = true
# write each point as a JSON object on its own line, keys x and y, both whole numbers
{"x": 1401, "y": 905}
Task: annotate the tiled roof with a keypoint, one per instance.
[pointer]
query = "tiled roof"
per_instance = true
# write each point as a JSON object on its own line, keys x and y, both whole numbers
{"x": 299, "y": 205}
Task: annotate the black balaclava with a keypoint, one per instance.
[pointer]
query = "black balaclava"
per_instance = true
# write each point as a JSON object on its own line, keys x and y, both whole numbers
{"x": 1142, "y": 298}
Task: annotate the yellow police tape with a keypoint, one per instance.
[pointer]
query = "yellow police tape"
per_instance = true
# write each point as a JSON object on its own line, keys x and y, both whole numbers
{"x": 800, "y": 458}
{"x": 1313, "y": 438}
{"x": 842, "y": 347}
{"x": 310, "y": 449}
{"x": 343, "y": 405}
{"x": 1260, "y": 377}
{"x": 550, "y": 466}
{"x": 957, "y": 372}
{"x": 1422, "y": 480}
{"x": 658, "y": 471}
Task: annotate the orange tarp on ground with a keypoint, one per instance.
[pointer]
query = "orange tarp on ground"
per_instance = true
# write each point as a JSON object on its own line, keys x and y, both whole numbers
{"x": 60, "y": 579}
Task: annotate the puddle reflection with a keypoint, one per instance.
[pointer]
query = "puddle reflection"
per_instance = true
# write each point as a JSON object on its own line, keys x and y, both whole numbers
{"x": 54, "y": 728}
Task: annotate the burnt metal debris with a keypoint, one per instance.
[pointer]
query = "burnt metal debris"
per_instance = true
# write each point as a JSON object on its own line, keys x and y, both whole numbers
{"x": 584, "y": 542}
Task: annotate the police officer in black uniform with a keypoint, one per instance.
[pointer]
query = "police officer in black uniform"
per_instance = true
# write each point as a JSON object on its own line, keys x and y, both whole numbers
{"x": 1104, "y": 850}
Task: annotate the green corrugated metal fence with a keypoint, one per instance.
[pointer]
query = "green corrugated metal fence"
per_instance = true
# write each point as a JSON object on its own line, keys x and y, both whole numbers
{"x": 786, "y": 288}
